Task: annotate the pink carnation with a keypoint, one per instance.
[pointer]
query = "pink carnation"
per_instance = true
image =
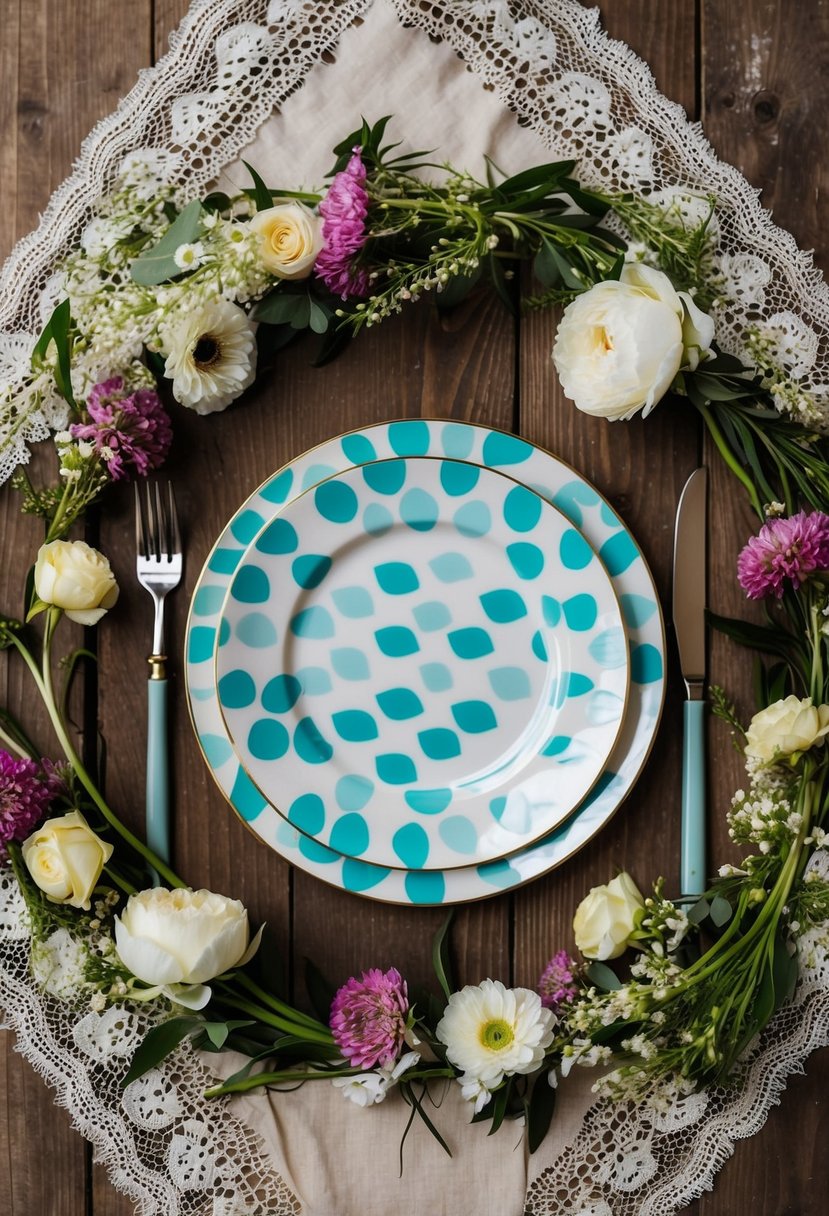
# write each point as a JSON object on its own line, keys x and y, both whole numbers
{"x": 368, "y": 1018}
{"x": 343, "y": 212}
{"x": 25, "y": 793}
{"x": 793, "y": 549}
{"x": 128, "y": 429}
{"x": 557, "y": 985}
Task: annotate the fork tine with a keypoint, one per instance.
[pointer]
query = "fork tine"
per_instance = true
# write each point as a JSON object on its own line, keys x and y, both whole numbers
{"x": 158, "y": 538}
{"x": 175, "y": 532}
{"x": 141, "y": 544}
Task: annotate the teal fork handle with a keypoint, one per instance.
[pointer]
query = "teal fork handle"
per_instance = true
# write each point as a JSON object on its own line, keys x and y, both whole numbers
{"x": 692, "y": 847}
{"x": 158, "y": 815}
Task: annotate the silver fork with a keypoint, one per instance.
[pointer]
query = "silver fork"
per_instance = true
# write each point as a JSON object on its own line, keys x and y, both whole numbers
{"x": 158, "y": 566}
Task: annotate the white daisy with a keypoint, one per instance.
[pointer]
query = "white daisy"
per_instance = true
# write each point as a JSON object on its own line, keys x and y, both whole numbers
{"x": 188, "y": 257}
{"x": 211, "y": 356}
{"x": 491, "y": 1032}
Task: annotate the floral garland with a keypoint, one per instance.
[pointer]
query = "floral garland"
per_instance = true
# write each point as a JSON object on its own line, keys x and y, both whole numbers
{"x": 187, "y": 295}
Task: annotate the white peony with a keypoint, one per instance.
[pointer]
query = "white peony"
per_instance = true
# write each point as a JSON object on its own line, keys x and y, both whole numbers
{"x": 785, "y": 729}
{"x": 71, "y": 575}
{"x": 491, "y": 1032}
{"x": 182, "y": 937}
{"x": 211, "y": 356}
{"x": 620, "y": 345}
{"x": 607, "y": 916}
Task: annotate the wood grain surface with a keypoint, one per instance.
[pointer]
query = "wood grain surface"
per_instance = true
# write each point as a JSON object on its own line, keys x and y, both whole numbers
{"x": 755, "y": 73}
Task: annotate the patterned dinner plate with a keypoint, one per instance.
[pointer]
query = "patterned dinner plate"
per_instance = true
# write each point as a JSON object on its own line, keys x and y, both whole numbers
{"x": 556, "y": 482}
{"x": 423, "y": 664}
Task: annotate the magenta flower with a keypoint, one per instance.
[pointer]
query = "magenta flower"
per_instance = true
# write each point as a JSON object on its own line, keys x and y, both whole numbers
{"x": 343, "y": 212}
{"x": 793, "y": 549}
{"x": 127, "y": 429}
{"x": 25, "y": 793}
{"x": 557, "y": 985}
{"x": 368, "y": 1018}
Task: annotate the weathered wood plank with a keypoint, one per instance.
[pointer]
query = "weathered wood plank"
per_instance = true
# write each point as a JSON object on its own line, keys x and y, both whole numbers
{"x": 764, "y": 111}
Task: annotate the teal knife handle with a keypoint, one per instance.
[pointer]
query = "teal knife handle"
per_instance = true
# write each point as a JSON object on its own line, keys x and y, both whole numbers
{"x": 158, "y": 814}
{"x": 692, "y": 848}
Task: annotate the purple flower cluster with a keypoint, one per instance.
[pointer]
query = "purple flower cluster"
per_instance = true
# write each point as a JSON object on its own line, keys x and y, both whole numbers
{"x": 133, "y": 428}
{"x": 26, "y": 789}
{"x": 343, "y": 212}
{"x": 368, "y": 1017}
{"x": 784, "y": 550}
{"x": 557, "y": 985}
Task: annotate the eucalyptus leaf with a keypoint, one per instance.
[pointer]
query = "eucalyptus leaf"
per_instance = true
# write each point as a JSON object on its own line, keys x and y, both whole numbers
{"x": 283, "y": 308}
{"x": 721, "y": 911}
{"x": 785, "y": 970}
{"x": 158, "y": 1043}
{"x": 540, "y": 1111}
{"x": 545, "y": 266}
{"x": 319, "y": 316}
{"x": 457, "y": 289}
{"x": 159, "y": 264}
{"x": 698, "y": 912}
{"x": 603, "y": 978}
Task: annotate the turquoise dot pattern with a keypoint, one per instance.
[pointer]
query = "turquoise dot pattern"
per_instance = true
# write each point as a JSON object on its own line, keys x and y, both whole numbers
{"x": 589, "y": 515}
{"x": 403, "y": 679}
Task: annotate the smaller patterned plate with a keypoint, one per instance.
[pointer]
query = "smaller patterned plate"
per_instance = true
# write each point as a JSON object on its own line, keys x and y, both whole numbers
{"x": 419, "y": 664}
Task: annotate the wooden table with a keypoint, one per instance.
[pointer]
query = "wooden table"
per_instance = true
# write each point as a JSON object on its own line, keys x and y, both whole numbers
{"x": 755, "y": 71}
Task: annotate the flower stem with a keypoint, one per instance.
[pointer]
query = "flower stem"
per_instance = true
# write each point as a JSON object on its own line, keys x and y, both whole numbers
{"x": 43, "y": 681}
{"x": 730, "y": 459}
{"x": 245, "y": 1084}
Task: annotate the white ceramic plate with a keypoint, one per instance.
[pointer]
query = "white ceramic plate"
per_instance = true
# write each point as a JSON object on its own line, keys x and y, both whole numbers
{"x": 424, "y": 664}
{"x": 557, "y": 483}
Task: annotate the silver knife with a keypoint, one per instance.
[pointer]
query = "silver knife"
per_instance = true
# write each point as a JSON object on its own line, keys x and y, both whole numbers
{"x": 689, "y": 600}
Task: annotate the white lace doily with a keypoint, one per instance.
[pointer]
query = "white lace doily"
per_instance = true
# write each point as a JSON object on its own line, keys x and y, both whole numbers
{"x": 230, "y": 64}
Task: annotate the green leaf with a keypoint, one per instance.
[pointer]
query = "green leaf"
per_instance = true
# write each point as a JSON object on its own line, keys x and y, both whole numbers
{"x": 280, "y": 307}
{"x": 540, "y": 1111}
{"x": 217, "y": 201}
{"x": 319, "y": 316}
{"x": 545, "y": 266}
{"x": 499, "y": 1106}
{"x": 262, "y": 196}
{"x": 721, "y": 911}
{"x": 158, "y": 264}
{"x": 440, "y": 956}
{"x": 713, "y": 388}
{"x": 603, "y": 978}
{"x": 570, "y": 278}
{"x": 320, "y": 991}
{"x": 698, "y": 912}
{"x": 158, "y": 1043}
{"x": 757, "y": 637}
{"x": 529, "y": 179}
{"x": 57, "y": 330}
{"x": 785, "y": 970}
{"x": 217, "y": 1032}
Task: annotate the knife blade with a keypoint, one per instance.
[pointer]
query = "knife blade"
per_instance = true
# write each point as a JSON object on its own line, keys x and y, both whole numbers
{"x": 689, "y": 602}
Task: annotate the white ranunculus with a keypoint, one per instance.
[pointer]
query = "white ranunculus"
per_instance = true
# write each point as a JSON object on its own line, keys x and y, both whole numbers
{"x": 76, "y": 578}
{"x": 290, "y": 237}
{"x": 65, "y": 858}
{"x": 620, "y": 345}
{"x": 181, "y": 937}
{"x": 491, "y": 1032}
{"x": 211, "y": 356}
{"x": 785, "y": 729}
{"x": 606, "y": 918}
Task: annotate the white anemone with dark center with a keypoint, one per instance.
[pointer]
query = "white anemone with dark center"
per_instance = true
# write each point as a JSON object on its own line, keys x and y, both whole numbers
{"x": 211, "y": 356}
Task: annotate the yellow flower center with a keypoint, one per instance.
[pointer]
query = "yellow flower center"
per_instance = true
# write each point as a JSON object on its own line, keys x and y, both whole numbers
{"x": 496, "y": 1034}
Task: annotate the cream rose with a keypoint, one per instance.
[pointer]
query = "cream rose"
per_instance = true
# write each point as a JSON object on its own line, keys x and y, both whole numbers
{"x": 290, "y": 237}
{"x": 785, "y": 729}
{"x": 606, "y": 918}
{"x": 65, "y": 858}
{"x": 620, "y": 345}
{"x": 76, "y": 578}
{"x": 182, "y": 936}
